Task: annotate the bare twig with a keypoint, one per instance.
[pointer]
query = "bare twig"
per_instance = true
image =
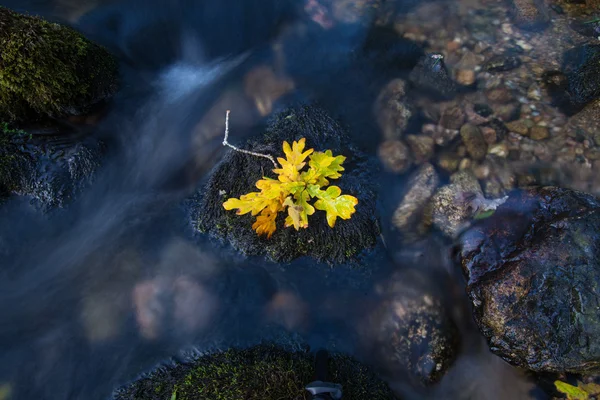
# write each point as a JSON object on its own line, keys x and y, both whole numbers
{"x": 252, "y": 153}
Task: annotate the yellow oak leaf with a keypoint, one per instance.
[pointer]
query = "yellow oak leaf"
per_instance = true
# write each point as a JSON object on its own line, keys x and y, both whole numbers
{"x": 293, "y": 162}
{"x": 265, "y": 223}
{"x": 335, "y": 204}
{"x": 325, "y": 166}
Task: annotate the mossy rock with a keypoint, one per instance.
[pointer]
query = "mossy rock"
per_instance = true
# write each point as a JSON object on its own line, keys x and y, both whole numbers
{"x": 237, "y": 174}
{"x": 47, "y": 69}
{"x": 262, "y": 372}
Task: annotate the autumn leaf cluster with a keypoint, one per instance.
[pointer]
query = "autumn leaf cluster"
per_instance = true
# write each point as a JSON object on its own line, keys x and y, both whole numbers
{"x": 294, "y": 189}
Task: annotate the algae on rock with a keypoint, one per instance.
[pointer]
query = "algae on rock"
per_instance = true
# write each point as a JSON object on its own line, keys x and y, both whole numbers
{"x": 266, "y": 372}
{"x": 47, "y": 69}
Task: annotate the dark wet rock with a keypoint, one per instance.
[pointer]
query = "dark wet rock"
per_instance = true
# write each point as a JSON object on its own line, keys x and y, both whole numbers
{"x": 395, "y": 156}
{"x": 265, "y": 371}
{"x": 50, "y": 170}
{"x": 502, "y": 63}
{"x": 453, "y": 117}
{"x": 431, "y": 76}
{"x": 530, "y": 15}
{"x": 409, "y": 217}
{"x": 422, "y": 147}
{"x": 393, "y": 109}
{"x": 579, "y": 83}
{"x": 499, "y": 127}
{"x": 586, "y": 27}
{"x": 50, "y": 70}
{"x": 237, "y": 174}
{"x": 534, "y": 279}
{"x": 483, "y": 109}
{"x": 411, "y": 330}
{"x": 474, "y": 142}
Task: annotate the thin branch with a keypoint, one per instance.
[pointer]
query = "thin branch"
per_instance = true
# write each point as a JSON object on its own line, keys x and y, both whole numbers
{"x": 252, "y": 153}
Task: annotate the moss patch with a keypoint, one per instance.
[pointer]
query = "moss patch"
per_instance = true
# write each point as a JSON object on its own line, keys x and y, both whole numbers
{"x": 49, "y": 69}
{"x": 262, "y": 372}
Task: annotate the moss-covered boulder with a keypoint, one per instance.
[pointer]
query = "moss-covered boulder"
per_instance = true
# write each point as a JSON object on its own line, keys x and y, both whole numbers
{"x": 47, "y": 69}
{"x": 264, "y": 372}
{"x": 49, "y": 169}
{"x": 238, "y": 173}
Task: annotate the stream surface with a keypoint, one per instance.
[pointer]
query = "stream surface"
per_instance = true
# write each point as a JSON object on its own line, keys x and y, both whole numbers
{"x": 117, "y": 282}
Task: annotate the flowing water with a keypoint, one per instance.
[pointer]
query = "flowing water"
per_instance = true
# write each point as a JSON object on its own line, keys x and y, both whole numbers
{"x": 96, "y": 293}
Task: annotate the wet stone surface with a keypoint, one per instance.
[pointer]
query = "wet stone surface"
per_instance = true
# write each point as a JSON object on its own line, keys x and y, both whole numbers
{"x": 411, "y": 331}
{"x": 534, "y": 279}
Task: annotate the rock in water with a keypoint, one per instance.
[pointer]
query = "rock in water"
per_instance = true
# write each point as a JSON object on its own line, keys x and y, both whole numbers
{"x": 411, "y": 330}
{"x": 237, "y": 174}
{"x": 579, "y": 82}
{"x": 409, "y": 217}
{"x": 49, "y": 170}
{"x": 533, "y": 272}
{"x": 431, "y": 76}
{"x": 266, "y": 371}
{"x": 393, "y": 110}
{"x": 49, "y": 70}
{"x": 530, "y": 15}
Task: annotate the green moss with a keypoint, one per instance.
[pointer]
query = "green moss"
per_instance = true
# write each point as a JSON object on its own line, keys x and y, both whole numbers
{"x": 262, "y": 372}
{"x": 49, "y": 69}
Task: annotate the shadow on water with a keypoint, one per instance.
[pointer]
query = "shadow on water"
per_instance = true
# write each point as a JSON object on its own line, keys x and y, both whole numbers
{"x": 94, "y": 294}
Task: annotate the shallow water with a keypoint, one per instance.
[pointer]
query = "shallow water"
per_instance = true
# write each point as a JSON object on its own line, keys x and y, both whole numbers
{"x": 97, "y": 293}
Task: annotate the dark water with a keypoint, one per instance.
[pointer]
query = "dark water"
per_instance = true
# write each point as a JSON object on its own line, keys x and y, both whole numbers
{"x": 77, "y": 282}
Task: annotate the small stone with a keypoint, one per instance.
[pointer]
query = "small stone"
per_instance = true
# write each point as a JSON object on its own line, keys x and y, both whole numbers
{"x": 474, "y": 142}
{"x": 539, "y": 133}
{"x": 393, "y": 110}
{"x": 483, "y": 109}
{"x": 489, "y": 134}
{"x": 452, "y": 46}
{"x": 508, "y": 112}
{"x": 452, "y": 117}
{"x": 469, "y": 61}
{"x": 449, "y": 162}
{"x": 421, "y": 187}
{"x": 453, "y": 205}
{"x": 502, "y": 63}
{"x": 395, "y": 156}
{"x": 524, "y": 45}
{"x": 534, "y": 92}
{"x": 519, "y": 127}
{"x": 465, "y": 164}
{"x": 528, "y": 15}
{"x": 499, "y": 149}
{"x": 465, "y": 77}
{"x": 422, "y": 147}
{"x": 592, "y": 154}
{"x": 501, "y": 95}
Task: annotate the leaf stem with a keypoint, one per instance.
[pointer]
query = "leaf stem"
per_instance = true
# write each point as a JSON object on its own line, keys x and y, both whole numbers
{"x": 252, "y": 153}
